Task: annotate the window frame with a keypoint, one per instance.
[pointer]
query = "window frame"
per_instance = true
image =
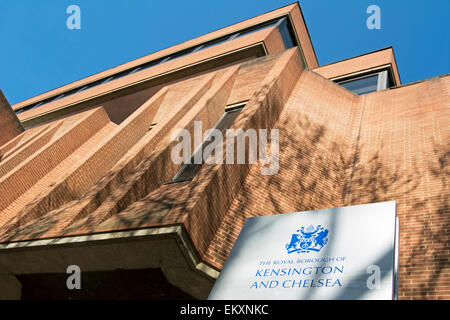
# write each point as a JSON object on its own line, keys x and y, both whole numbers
{"x": 383, "y": 80}
{"x": 238, "y": 107}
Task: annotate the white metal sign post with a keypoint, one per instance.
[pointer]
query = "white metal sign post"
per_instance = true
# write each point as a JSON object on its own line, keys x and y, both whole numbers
{"x": 340, "y": 253}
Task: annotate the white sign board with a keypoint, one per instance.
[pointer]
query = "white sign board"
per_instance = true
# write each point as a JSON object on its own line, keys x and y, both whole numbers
{"x": 339, "y": 253}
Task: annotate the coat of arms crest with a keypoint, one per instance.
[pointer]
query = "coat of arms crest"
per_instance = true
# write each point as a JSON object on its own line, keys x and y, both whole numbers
{"x": 308, "y": 239}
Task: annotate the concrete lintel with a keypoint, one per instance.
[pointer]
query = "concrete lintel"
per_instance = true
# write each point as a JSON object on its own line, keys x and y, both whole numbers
{"x": 168, "y": 248}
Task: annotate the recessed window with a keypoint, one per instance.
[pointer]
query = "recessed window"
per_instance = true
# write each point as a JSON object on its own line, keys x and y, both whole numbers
{"x": 107, "y": 79}
{"x": 258, "y": 28}
{"x": 282, "y": 23}
{"x": 37, "y": 105}
{"x": 135, "y": 70}
{"x": 149, "y": 64}
{"x": 188, "y": 171}
{"x": 366, "y": 84}
{"x": 59, "y": 97}
{"x": 82, "y": 88}
{"x": 286, "y": 35}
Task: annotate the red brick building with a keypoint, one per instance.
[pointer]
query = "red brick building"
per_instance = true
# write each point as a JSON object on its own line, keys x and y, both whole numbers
{"x": 86, "y": 176}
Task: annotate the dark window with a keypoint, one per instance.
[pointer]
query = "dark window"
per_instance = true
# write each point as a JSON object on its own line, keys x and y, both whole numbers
{"x": 122, "y": 74}
{"x": 188, "y": 171}
{"x": 107, "y": 79}
{"x": 363, "y": 85}
{"x": 367, "y": 84}
{"x": 258, "y": 28}
{"x": 82, "y": 88}
{"x": 32, "y": 106}
{"x": 233, "y": 36}
{"x": 59, "y": 97}
{"x": 282, "y": 23}
{"x": 197, "y": 48}
{"x": 135, "y": 70}
{"x": 36, "y": 105}
{"x": 179, "y": 54}
{"x": 150, "y": 64}
{"x": 214, "y": 42}
{"x": 286, "y": 34}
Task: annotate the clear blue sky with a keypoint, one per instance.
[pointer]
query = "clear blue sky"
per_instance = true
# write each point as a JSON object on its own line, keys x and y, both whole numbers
{"x": 39, "y": 53}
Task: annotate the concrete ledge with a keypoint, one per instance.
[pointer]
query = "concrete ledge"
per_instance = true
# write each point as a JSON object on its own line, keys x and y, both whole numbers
{"x": 168, "y": 248}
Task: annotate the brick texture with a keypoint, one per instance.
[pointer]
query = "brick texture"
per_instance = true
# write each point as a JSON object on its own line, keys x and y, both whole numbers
{"x": 105, "y": 169}
{"x": 10, "y": 126}
{"x": 361, "y": 63}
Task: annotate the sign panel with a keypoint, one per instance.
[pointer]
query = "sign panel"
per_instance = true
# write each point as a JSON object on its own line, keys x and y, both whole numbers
{"x": 339, "y": 253}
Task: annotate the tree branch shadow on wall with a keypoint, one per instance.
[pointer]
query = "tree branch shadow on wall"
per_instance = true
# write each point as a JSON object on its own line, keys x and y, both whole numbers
{"x": 431, "y": 250}
{"x": 319, "y": 170}
{"x": 151, "y": 208}
{"x": 326, "y": 173}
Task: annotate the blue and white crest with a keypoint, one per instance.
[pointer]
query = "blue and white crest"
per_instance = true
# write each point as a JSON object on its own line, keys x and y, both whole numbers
{"x": 307, "y": 240}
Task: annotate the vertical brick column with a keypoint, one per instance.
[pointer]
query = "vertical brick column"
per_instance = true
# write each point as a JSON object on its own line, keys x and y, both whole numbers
{"x": 10, "y": 126}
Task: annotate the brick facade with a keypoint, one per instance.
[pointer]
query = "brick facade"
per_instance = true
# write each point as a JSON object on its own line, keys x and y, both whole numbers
{"x": 104, "y": 168}
{"x": 10, "y": 126}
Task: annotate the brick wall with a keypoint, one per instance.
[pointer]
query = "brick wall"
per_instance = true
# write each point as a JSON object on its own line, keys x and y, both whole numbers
{"x": 314, "y": 127}
{"x": 336, "y": 149}
{"x": 10, "y": 126}
{"x": 404, "y": 155}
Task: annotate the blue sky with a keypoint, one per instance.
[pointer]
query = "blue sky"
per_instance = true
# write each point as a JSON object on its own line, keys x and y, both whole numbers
{"x": 39, "y": 53}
